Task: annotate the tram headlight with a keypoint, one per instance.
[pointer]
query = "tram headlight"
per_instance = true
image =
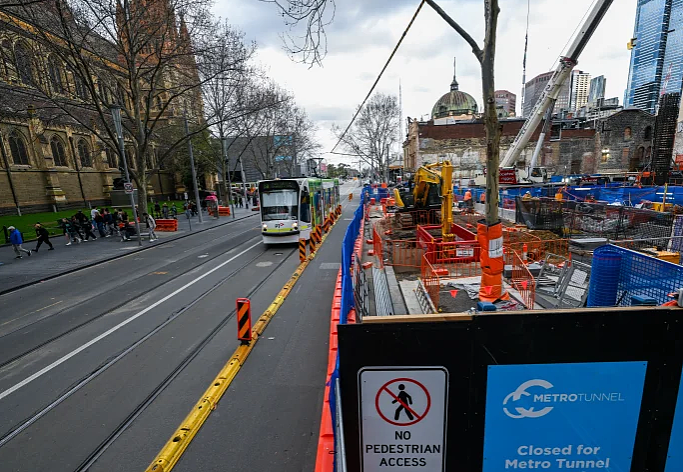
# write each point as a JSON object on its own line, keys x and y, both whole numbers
{"x": 295, "y": 225}
{"x": 265, "y": 227}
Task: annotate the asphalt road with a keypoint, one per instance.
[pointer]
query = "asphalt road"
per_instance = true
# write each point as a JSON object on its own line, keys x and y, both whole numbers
{"x": 98, "y": 367}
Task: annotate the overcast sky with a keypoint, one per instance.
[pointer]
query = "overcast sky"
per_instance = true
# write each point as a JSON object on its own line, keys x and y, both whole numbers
{"x": 364, "y": 32}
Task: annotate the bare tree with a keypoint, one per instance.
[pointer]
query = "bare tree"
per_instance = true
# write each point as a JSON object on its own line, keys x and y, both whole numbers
{"x": 373, "y": 133}
{"x": 223, "y": 91}
{"x": 277, "y": 137}
{"x": 150, "y": 58}
{"x": 311, "y": 46}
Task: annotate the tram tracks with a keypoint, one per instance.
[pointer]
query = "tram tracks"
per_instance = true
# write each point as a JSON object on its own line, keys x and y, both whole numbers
{"x": 92, "y": 457}
{"x": 6, "y": 362}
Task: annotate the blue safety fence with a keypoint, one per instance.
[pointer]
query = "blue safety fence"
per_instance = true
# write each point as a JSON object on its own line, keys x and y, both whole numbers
{"x": 347, "y": 300}
{"x": 636, "y": 274}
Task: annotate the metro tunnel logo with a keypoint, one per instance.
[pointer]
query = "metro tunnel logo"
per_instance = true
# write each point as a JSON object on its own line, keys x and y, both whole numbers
{"x": 544, "y": 398}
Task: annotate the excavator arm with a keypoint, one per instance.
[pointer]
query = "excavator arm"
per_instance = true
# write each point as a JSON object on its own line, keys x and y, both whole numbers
{"x": 424, "y": 178}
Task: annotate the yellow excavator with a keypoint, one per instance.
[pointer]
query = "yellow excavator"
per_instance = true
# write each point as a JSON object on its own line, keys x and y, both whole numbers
{"x": 432, "y": 188}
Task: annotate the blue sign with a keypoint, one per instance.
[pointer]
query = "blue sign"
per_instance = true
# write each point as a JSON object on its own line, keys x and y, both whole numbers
{"x": 562, "y": 416}
{"x": 674, "y": 460}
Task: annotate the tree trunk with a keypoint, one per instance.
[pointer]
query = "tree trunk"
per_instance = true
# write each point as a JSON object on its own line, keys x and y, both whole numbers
{"x": 490, "y": 117}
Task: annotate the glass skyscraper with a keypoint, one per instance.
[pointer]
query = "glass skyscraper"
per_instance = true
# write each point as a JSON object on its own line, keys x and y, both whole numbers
{"x": 656, "y": 54}
{"x": 647, "y": 53}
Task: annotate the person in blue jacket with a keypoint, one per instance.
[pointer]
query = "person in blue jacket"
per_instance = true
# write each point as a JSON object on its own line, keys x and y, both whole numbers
{"x": 16, "y": 240}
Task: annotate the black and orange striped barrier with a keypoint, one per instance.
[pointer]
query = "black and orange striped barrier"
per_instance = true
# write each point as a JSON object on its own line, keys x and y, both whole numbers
{"x": 311, "y": 243}
{"x": 244, "y": 320}
{"x": 315, "y": 236}
{"x": 302, "y": 250}
{"x": 319, "y": 232}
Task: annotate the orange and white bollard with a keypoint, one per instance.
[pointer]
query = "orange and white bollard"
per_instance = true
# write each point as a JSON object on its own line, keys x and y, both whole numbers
{"x": 244, "y": 320}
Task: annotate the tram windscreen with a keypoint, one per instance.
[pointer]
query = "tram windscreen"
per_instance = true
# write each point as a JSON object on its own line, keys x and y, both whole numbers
{"x": 279, "y": 200}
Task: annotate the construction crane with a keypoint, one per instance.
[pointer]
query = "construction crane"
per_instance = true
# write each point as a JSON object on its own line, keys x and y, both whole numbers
{"x": 552, "y": 90}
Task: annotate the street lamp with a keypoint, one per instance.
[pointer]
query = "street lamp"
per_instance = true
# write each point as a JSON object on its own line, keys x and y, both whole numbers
{"x": 116, "y": 116}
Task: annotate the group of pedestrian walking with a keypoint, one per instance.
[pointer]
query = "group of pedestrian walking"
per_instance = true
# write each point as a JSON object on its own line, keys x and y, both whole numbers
{"x": 79, "y": 228}
{"x": 165, "y": 212}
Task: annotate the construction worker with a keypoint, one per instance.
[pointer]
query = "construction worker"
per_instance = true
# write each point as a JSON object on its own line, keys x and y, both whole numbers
{"x": 527, "y": 196}
{"x": 468, "y": 199}
{"x": 558, "y": 195}
{"x": 482, "y": 198}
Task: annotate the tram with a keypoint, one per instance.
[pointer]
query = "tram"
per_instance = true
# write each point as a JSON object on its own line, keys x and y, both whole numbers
{"x": 290, "y": 208}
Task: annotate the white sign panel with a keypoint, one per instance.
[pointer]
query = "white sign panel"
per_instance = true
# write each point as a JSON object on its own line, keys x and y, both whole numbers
{"x": 403, "y": 418}
{"x": 128, "y": 187}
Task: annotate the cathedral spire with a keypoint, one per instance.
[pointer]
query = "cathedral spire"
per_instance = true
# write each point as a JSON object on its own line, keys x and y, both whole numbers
{"x": 454, "y": 84}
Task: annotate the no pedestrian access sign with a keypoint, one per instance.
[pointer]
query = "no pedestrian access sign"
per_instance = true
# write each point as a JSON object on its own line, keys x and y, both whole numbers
{"x": 403, "y": 418}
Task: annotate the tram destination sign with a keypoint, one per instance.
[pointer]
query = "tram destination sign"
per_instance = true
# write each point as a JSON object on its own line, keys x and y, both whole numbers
{"x": 403, "y": 417}
{"x": 279, "y": 184}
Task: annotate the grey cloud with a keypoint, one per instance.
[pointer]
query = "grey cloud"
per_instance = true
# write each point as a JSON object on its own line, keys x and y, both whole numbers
{"x": 323, "y": 113}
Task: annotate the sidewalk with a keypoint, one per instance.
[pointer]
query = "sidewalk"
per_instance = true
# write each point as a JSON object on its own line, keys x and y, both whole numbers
{"x": 46, "y": 264}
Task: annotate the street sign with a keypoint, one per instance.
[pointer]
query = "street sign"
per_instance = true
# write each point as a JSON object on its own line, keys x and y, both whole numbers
{"x": 128, "y": 188}
{"x": 579, "y": 416}
{"x": 403, "y": 416}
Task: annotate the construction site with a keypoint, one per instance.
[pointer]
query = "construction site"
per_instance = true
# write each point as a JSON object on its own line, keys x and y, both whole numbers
{"x": 556, "y": 253}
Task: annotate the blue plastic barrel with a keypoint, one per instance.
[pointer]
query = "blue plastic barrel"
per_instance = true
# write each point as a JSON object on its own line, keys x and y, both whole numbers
{"x": 604, "y": 282}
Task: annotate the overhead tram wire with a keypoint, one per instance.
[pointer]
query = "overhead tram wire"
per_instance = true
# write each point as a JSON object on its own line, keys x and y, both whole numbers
{"x": 372, "y": 89}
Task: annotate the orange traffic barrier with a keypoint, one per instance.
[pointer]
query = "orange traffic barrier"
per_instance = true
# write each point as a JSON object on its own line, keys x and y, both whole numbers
{"x": 164, "y": 225}
{"x": 244, "y": 320}
{"x": 311, "y": 243}
{"x": 302, "y": 250}
{"x": 222, "y": 211}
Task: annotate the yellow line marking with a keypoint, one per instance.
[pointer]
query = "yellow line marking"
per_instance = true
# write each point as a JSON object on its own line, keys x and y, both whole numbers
{"x": 159, "y": 273}
{"x": 39, "y": 309}
{"x": 174, "y": 448}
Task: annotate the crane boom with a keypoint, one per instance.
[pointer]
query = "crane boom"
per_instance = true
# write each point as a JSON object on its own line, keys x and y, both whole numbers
{"x": 552, "y": 89}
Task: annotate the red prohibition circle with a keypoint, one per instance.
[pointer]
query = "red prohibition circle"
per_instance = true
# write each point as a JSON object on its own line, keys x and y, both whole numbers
{"x": 418, "y": 417}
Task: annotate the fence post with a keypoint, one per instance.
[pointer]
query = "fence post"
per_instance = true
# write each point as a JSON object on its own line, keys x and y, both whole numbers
{"x": 4, "y": 230}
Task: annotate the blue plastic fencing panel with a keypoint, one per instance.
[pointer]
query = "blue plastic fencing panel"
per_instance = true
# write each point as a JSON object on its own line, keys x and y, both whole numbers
{"x": 642, "y": 275}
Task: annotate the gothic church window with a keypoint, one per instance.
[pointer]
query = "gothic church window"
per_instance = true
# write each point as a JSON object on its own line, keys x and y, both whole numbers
{"x": 111, "y": 158}
{"x": 55, "y": 73}
{"x": 58, "y": 153}
{"x": 24, "y": 63}
{"x": 17, "y": 148}
{"x": 84, "y": 153}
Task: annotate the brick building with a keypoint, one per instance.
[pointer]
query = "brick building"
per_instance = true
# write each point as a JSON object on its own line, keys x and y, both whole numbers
{"x": 618, "y": 143}
{"x": 48, "y": 159}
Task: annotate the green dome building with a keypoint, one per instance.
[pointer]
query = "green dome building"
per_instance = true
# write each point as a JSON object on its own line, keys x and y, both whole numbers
{"x": 455, "y": 104}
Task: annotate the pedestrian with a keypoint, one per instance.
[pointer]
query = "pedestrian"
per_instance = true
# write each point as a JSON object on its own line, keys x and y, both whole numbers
{"x": 240, "y": 202}
{"x": 64, "y": 224}
{"x": 151, "y": 224}
{"x": 255, "y": 200}
{"x": 165, "y": 211}
{"x": 93, "y": 213}
{"x": 99, "y": 222}
{"x": 174, "y": 212}
{"x": 86, "y": 227}
{"x": 80, "y": 217}
{"x": 157, "y": 210}
{"x": 16, "y": 240}
{"x": 193, "y": 208}
{"x": 43, "y": 237}
{"x": 77, "y": 228}
{"x": 70, "y": 231}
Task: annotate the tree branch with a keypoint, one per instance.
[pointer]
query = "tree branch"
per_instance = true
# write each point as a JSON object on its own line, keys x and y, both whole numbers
{"x": 476, "y": 50}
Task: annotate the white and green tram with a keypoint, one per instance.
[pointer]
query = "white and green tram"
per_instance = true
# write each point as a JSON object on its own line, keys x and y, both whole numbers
{"x": 290, "y": 208}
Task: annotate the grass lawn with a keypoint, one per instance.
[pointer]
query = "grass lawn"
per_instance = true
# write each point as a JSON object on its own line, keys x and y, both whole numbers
{"x": 49, "y": 219}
